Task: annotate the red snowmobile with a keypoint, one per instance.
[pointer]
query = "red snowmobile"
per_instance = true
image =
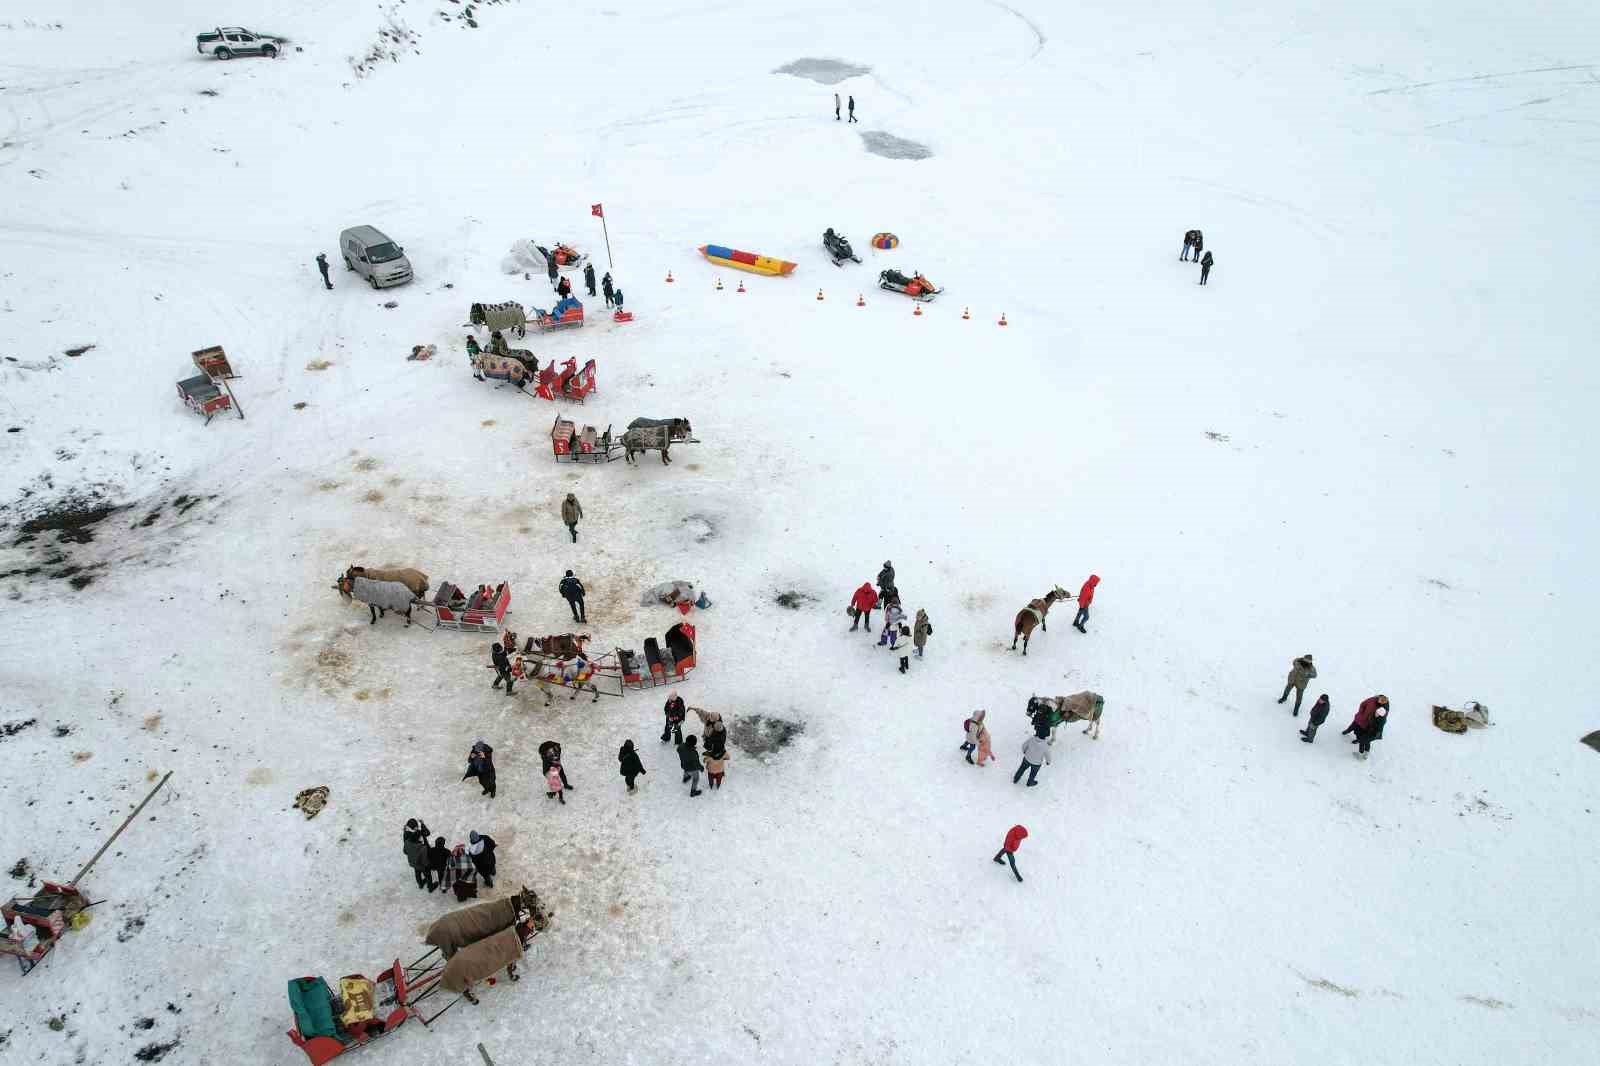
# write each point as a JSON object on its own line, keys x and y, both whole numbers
{"x": 915, "y": 286}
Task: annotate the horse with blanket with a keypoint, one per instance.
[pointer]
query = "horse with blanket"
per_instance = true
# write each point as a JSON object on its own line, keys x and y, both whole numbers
{"x": 1048, "y": 712}
{"x": 383, "y": 590}
{"x": 480, "y": 941}
{"x": 654, "y": 434}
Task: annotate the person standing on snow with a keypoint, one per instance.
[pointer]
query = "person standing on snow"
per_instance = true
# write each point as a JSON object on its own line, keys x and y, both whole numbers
{"x": 1319, "y": 714}
{"x": 438, "y": 866}
{"x": 1034, "y": 752}
{"x": 552, "y": 785}
{"x": 689, "y": 759}
{"x": 852, "y": 109}
{"x": 628, "y": 763}
{"x": 1367, "y": 725}
{"x": 550, "y": 756}
{"x": 969, "y": 743}
{"x": 886, "y": 577}
{"x": 588, "y": 277}
{"x": 861, "y": 605}
{"x": 550, "y": 267}
{"x": 896, "y": 644}
{"x": 921, "y": 631}
{"x": 322, "y": 265}
{"x": 985, "y": 745}
{"x": 1192, "y": 241}
{"x": 1008, "y": 850}
{"x": 836, "y": 107}
{"x": 480, "y": 764}
{"x": 1205, "y": 268}
{"x": 716, "y": 767}
{"x": 502, "y": 667}
{"x": 571, "y": 511}
{"x": 676, "y": 712}
{"x": 714, "y": 735}
{"x": 415, "y": 837}
{"x": 616, "y": 298}
{"x": 1301, "y": 673}
{"x": 480, "y": 846}
{"x": 571, "y": 590}
{"x": 605, "y": 287}
{"x": 892, "y": 617}
{"x": 1085, "y": 598}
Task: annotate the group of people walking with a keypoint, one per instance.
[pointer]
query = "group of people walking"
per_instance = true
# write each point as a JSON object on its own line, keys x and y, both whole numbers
{"x": 836, "y": 108}
{"x": 1367, "y": 725}
{"x": 445, "y": 869}
{"x": 895, "y": 634}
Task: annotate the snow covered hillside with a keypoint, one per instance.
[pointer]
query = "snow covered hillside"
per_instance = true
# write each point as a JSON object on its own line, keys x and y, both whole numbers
{"x": 1365, "y": 438}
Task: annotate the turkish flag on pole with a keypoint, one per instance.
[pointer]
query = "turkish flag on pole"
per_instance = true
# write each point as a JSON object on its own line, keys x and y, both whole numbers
{"x": 598, "y": 212}
{"x": 594, "y": 209}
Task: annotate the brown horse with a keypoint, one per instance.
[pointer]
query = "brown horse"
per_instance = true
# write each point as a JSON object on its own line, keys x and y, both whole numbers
{"x": 1033, "y": 615}
{"x": 563, "y": 646}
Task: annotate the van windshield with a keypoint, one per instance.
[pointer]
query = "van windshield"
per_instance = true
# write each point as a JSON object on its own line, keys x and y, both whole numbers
{"x": 382, "y": 253}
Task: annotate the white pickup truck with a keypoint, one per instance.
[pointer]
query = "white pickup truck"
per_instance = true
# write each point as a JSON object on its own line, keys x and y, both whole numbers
{"x": 225, "y": 42}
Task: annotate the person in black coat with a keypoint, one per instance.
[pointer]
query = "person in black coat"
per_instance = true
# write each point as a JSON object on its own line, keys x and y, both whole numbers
{"x": 480, "y": 764}
{"x": 1192, "y": 242}
{"x": 502, "y": 668}
{"x": 588, "y": 277}
{"x": 1205, "y": 268}
{"x": 564, "y": 288}
{"x": 605, "y": 287}
{"x": 885, "y": 578}
{"x": 438, "y": 863}
{"x": 628, "y": 763}
{"x": 689, "y": 759}
{"x": 550, "y": 755}
{"x": 322, "y": 265}
{"x": 572, "y": 590}
{"x": 550, "y": 266}
{"x": 616, "y": 298}
{"x": 675, "y": 712}
{"x": 1319, "y": 714}
{"x": 415, "y": 838}
{"x": 480, "y": 846}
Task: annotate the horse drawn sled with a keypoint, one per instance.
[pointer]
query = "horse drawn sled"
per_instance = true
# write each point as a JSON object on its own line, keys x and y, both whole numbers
{"x": 520, "y": 368}
{"x": 562, "y": 661}
{"x": 570, "y": 444}
{"x": 656, "y": 435}
{"x": 208, "y": 393}
{"x": 913, "y": 285}
{"x": 404, "y": 590}
{"x": 34, "y": 924}
{"x": 466, "y": 947}
{"x": 505, "y": 317}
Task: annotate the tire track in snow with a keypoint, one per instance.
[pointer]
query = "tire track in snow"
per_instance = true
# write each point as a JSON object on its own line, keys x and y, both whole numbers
{"x": 1039, "y": 38}
{"x": 1478, "y": 77}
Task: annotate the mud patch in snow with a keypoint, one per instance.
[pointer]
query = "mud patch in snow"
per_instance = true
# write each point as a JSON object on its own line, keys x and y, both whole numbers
{"x": 759, "y": 734}
{"x": 823, "y": 71}
{"x": 891, "y": 147}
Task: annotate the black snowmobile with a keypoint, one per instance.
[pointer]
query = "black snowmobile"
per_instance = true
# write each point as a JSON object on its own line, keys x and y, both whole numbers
{"x": 838, "y": 247}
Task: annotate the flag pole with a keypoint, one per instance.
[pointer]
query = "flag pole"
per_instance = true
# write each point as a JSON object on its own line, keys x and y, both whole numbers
{"x": 600, "y": 210}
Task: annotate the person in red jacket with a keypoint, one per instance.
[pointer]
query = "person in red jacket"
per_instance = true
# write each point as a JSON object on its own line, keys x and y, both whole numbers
{"x": 1368, "y": 723}
{"x": 1008, "y": 851}
{"x": 861, "y": 605}
{"x": 1085, "y": 598}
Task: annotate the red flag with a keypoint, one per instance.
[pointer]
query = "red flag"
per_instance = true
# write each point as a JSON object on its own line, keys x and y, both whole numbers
{"x": 594, "y": 209}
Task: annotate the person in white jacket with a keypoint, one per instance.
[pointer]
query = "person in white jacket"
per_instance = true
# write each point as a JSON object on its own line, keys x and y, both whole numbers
{"x": 974, "y": 727}
{"x": 1034, "y": 752}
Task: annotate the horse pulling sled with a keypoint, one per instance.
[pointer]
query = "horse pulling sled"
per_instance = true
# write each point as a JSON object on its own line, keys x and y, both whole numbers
{"x": 404, "y": 590}
{"x": 467, "y": 946}
{"x": 562, "y": 661}
{"x": 519, "y": 368}
{"x": 209, "y": 393}
{"x": 569, "y": 444}
{"x": 506, "y": 317}
{"x": 656, "y": 435}
{"x": 35, "y": 924}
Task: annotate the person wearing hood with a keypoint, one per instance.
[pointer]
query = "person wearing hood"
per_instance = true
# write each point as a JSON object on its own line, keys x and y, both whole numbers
{"x": 921, "y": 631}
{"x": 572, "y": 591}
{"x": 1205, "y": 268}
{"x": 1367, "y": 725}
{"x": 893, "y": 615}
{"x": 861, "y": 605}
{"x": 1319, "y": 714}
{"x": 571, "y": 511}
{"x": 675, "y": 713}
{"x": 605, "y": 287}
{"x": 1034, "y": 752}
{"x": 502, "y": 667}
{"x": 553, "y": 788}
{"x": 628, "y": 763}
{"x": 969, "y": 728}
{"x": 415, "y": 840}
{"x": 985, "y": 748}
{"x": 550, "y": 756}
{"x": 1301, "y": 673}
{"x": 588, "y": 277}
{"x": 1008, "y": 850}
{"x": 1085, "y": 598}
{"x": 322, "y": 265}
{"x": 480, "y": 764}
{"x": 689, "y": 759}
{"x": 886, "y": 577}
{"x": 439, "y": 866}
{"x": 481, "y": 847}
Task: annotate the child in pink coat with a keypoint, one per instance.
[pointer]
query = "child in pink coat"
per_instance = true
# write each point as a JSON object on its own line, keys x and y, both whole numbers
{"x": 552, "y": 784}
{"x": 985, "y": 751}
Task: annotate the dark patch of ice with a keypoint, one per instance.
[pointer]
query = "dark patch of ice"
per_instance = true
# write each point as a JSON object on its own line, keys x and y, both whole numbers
{"x": 823, "y": 71}
{"x": 762, "y": 735}
{"x": 891, "y": 147}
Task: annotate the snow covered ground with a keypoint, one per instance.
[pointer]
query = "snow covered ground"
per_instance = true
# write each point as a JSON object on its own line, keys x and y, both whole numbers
{"x": 1366, "y": 438}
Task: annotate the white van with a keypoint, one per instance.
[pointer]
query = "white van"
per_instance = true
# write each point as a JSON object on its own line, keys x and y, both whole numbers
{"x": 374, "y": 256}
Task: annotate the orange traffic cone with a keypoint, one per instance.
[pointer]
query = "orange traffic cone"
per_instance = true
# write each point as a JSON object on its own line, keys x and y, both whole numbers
{"x": 741, "y": 286}
{"x": 1002, "y": 318}
{"x": 916, "y": 311}
{"x": 966, "y": 313}
{"x": 719, "y": 284}
{"x": 669, "y": 277}
{"x": 861, "y": 301}
{"x": 819, "y": 295}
